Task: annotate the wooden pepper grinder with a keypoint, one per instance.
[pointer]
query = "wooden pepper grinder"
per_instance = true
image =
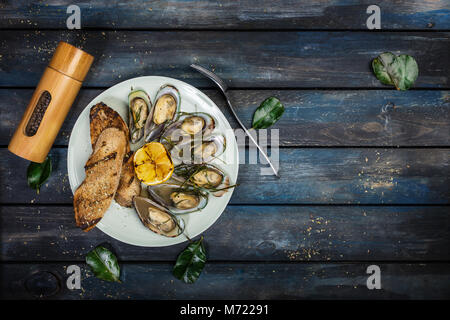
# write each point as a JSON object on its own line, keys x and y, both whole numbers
{"x": 50, "y": 103}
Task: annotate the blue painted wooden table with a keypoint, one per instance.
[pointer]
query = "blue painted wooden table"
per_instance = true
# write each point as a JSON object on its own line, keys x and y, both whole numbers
{"x": 361, "y": 184}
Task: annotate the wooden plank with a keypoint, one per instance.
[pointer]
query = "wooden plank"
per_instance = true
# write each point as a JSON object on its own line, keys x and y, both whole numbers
{"x": 308, "y": 176}
{"x": 248, "y": 233}
{"x": 245, "y": 14}
{"x": 240, "y": 281}
{"x": 312, "y": 118}
{"x": 243, "y": 59}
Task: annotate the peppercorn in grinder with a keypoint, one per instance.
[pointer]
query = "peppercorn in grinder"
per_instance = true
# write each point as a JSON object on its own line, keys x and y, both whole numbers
{"x": 50, "y": 103}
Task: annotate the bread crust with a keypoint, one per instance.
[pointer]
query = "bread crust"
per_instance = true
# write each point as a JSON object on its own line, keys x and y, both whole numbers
{"x": 103, "y": 170}
{"x": 102, "y": 117}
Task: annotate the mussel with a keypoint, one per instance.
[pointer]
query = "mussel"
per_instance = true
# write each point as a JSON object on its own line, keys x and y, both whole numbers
{"x": 187, "y": 125}
{"x": 179, "y": 199}
{"x": 203, "y": 151}
{"x": 139, "y": 105}
{"x": 167, "y": 104}
{"x": 204, "y": 176}
{"x": 157, "y": 218}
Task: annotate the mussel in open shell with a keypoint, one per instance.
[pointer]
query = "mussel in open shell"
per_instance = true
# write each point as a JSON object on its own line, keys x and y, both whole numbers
{"x": 203, "y": 151}
{"x": 157, "y": 218}
{"x": 204, "y": 176}
{"x": 179, "y": 199}
{"x": 187, "y": 125}
{"x": 164, "y": 110}
{"x": 139, "y": 106}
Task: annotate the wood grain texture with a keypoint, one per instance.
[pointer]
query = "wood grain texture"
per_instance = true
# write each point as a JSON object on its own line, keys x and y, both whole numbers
{"x": 247, "y": 233}
{"x": 244, "y": 14}
{"x": 240, "y": 281}
{"x": 311, "y": 118}
{"x": 311, "y": 234}
{"x": 308, "y": 176}
{"x": 242, "y": 59}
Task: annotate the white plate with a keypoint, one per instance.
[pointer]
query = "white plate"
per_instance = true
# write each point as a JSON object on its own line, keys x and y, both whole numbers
{"x": 122, "y": 223}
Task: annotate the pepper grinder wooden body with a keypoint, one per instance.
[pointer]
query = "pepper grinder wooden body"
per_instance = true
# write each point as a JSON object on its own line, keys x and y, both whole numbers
{"x": 50, "y": 103}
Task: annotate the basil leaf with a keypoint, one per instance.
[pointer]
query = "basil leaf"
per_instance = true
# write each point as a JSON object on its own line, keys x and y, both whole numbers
{"x": 103, "y": 264}
{"x": 38, "y": 173}
{"x": 190, "y": 262}
{"x": 267, "y": 113}
{"x": 401, "y": 71}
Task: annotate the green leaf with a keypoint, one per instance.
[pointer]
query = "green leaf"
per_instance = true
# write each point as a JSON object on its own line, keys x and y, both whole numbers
{"x": 103, "y": 264}
{"x": 380, "y": 70}
{"x": 190, "y": 262}
{"x": 38, "y": 173}
{"x": 401, "y": 71}
{"x": 267, "y": 113}
{"x": 406, "y": 73}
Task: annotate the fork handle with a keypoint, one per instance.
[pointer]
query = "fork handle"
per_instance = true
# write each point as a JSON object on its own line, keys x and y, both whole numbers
{"x": 249, "y": 135}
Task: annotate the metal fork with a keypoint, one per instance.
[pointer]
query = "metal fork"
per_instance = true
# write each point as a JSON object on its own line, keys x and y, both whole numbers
{"x": 223, "y": 87}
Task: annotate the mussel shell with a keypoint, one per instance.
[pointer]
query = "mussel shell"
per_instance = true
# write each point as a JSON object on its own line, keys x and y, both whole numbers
{"x": 225, "y": 184}
{"x": 152, "y": 130}
{"x": 142, "y": 205}
{"x": 137, "y": 134}
{"x": 195, "y": 150}
{"x": 190, "y": 171}
{"x": 174, "y": 133}
{"x": 161, "y": 194}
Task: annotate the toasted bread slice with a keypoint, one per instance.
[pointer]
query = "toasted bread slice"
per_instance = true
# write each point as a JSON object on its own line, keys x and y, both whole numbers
{"x": 129, "y": 185}
{"x": 94, "y": 196}
{"x": 102, "y": 117}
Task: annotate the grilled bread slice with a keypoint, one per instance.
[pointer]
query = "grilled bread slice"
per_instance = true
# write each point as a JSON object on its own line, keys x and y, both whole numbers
{"x": 94, "y": 196}
{"x": 129, "y": 185}
{"x": 102, "y": 117}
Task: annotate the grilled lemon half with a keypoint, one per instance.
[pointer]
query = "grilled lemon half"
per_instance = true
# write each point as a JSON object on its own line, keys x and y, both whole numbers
{"x": 152, "y": 164}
